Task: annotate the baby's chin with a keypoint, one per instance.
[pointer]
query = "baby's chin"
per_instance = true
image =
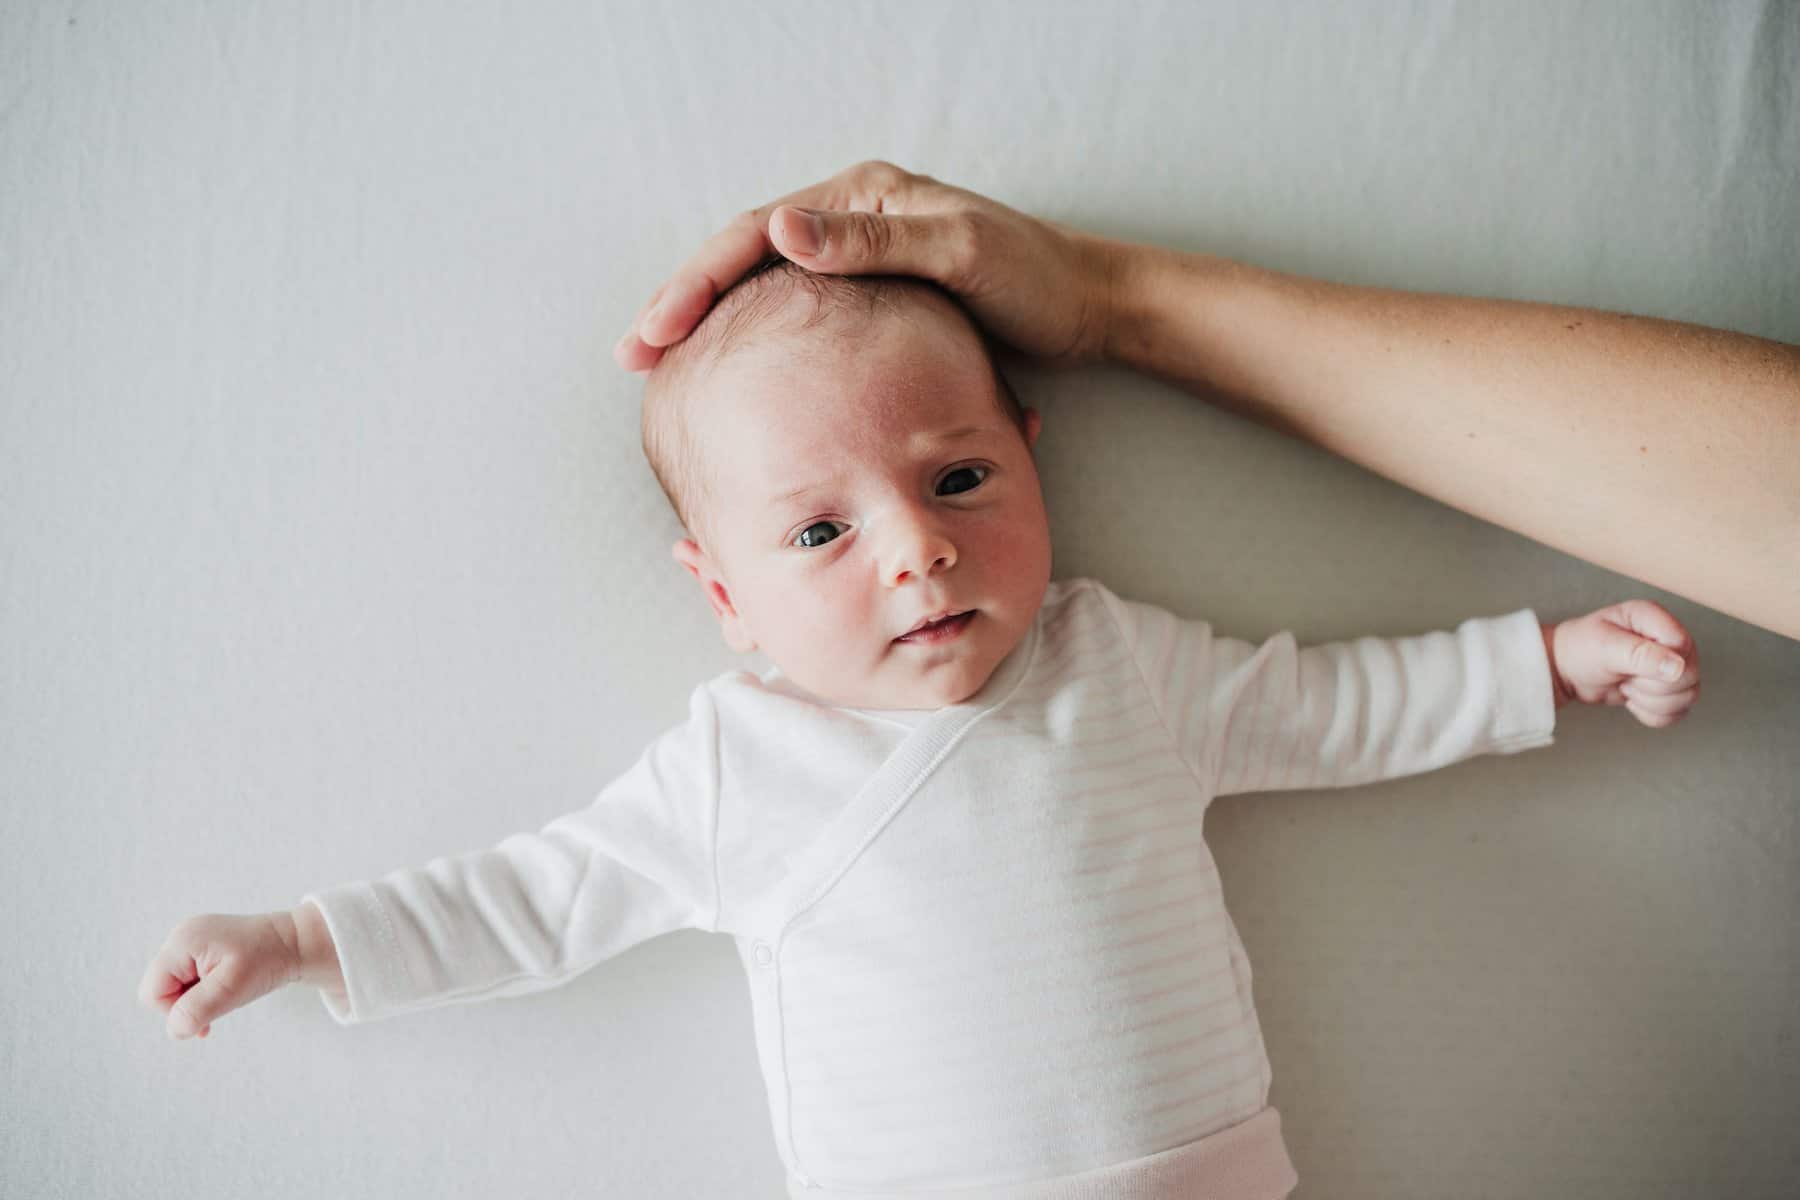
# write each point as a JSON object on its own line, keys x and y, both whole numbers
{"x": 928, "y": 675}
{"x": 927, "y": 687}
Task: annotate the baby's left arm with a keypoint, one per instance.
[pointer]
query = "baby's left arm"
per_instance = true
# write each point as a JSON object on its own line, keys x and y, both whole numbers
{"x": 1632, "y": 653}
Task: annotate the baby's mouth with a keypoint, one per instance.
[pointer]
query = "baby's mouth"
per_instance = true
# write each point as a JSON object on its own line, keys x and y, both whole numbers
{"x": 940, "y": 630}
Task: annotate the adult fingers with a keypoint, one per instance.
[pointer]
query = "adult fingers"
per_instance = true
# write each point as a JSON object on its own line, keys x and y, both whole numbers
{"x": 728, "y": 254}
{"x": 725, "y": 257}
{"x": 631, "y": 353}
{"x": 630, "y": 344}
{"x": 858, "y": 243}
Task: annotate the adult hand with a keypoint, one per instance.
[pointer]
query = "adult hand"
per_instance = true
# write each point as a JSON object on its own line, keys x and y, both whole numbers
{"x": 1043, "y": 288}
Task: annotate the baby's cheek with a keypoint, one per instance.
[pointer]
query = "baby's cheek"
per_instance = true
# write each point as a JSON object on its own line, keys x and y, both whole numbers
{"x": 1019, "y": 548}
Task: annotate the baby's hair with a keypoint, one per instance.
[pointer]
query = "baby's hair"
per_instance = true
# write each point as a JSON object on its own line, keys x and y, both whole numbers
{"x": 735, "y": 320}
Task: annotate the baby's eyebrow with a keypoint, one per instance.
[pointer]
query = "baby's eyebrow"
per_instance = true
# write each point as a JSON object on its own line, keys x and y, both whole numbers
{"x": 953, "y": 435}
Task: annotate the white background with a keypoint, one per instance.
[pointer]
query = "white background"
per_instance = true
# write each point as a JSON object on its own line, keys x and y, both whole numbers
{"x": 329, "y": 548}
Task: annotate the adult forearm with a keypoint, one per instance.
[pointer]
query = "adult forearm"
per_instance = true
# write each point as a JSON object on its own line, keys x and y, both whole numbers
{"x": 1665, "y": 451}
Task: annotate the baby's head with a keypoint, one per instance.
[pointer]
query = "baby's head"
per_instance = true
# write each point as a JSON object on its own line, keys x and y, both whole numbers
{"x": 851, "y": 462}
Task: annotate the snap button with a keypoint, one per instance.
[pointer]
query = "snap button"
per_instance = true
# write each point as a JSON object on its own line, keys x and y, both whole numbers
{"x": 763, "y": 955}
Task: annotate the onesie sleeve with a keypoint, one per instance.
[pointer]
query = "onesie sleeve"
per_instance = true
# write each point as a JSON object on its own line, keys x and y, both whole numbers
{"x": 540, "y": 908}
{"x": 1275, "y": 716}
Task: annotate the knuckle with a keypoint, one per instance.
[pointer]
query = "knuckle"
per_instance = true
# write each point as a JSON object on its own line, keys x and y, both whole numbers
{"x": 228, "y": 977}
{"x": 880, "y": 171}
{"x": 870, "y": 236}
{"x": 750, "y": 221}
{"x": 966, "y": 232}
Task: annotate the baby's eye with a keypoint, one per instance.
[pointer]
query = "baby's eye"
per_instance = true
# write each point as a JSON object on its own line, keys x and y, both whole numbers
{"x": 966, "y": 470}
{"x": 800, "y": 539}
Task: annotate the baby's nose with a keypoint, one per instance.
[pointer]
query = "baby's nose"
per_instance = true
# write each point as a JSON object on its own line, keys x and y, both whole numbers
{"x": 919, "y": 547}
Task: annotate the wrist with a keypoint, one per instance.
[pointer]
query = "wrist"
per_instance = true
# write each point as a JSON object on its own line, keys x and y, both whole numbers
{"x": 1181, "y": 316}
{"x": 316, "y": 960}
{"x": 1125, "y": 273}
{"x": 1561, "y": 692}
{"x": 1137, "y": 276}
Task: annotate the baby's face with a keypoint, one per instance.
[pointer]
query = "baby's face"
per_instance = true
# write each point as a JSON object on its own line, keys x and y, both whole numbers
{"x": 912, "y": 494}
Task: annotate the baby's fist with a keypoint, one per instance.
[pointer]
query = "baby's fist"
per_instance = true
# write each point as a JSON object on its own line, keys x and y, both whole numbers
{"x": 215, "y": 963}
{"x": 1632, "y": 653}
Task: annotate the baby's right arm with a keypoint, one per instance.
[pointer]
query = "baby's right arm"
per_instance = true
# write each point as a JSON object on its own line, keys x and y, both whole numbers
{"x": 213, "y": 964}
{"x": 529, "y": 913}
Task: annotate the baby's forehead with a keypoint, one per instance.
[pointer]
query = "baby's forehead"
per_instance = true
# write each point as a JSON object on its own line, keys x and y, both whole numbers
{"x": 907, "y": 347}
{"x": 894, "y": 382}
{"x": 810, "y": 398}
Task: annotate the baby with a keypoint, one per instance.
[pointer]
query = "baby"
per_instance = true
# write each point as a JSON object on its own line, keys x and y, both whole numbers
{"x": 956, "y": 831}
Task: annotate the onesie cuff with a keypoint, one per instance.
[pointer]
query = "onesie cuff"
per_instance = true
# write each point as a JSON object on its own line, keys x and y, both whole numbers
{"x": 1524, "y": 700}
{"x": 375, "y": 979}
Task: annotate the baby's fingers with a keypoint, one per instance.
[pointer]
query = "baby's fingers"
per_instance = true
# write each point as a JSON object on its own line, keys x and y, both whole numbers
{"x": 220, "y": 990}
{"x": 1648, "y": 685}
{"x": 1657, "y": 709}
{"x": 1653, "y": 720}
{"x": 170, "y": 981}
{"x": 169, "y": 974}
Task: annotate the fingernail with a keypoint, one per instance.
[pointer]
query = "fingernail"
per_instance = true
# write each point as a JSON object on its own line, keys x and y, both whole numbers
{"x": 1671, "y": 668}
{"x": 807, "y": 234}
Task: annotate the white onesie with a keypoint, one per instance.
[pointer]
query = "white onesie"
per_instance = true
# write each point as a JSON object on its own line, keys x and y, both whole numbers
{"x": 986, "y": 945}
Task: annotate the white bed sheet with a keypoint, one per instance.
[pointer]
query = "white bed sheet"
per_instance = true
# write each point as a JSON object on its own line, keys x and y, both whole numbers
{"x": 328, "y": 548}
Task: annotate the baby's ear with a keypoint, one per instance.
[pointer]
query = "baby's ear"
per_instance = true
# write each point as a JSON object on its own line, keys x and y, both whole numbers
{"x": 1034, "y": 421}
{"x": 687, "y": 552}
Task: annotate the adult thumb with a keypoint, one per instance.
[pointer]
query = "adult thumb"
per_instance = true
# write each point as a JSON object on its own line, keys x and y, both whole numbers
{"x": 867, "y": 243}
